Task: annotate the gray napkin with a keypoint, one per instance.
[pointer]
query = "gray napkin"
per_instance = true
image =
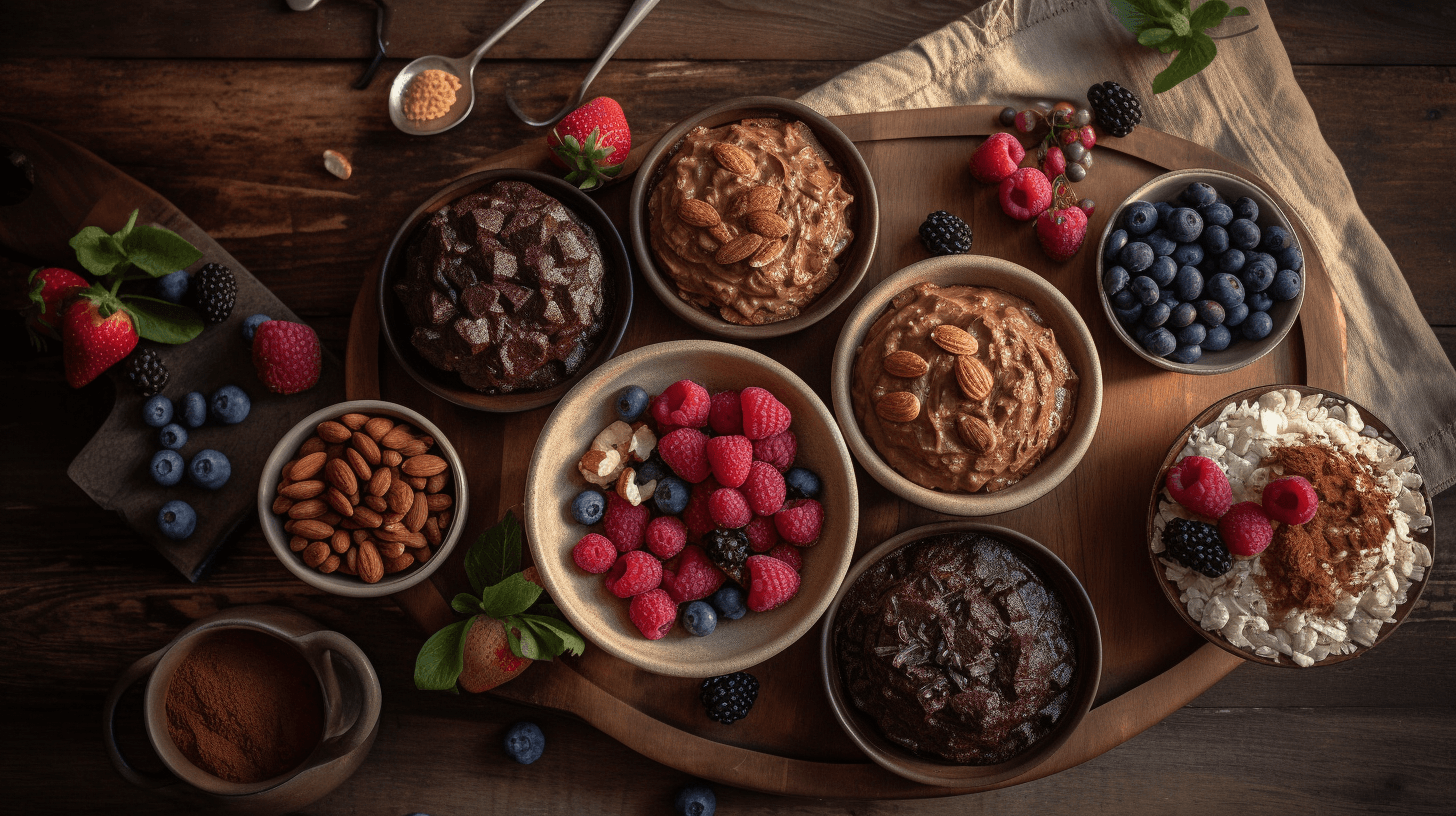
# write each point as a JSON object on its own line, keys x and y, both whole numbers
{"x": 1246, "y": 106}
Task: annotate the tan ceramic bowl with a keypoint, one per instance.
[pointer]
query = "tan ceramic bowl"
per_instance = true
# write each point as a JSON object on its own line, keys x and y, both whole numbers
{"x": 864, "y": 214}
{"x": 336, "y": 582}
{"x": 896, "y": 758}
{"x": 552, "y": 482}
{"x": 1241, "y": 352}
{"x": 1170, "y": 589}
{"x": 1055, "y": 309}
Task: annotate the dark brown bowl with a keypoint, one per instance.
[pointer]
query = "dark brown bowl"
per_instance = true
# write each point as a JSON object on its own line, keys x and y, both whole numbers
{"x": 446, "y": 384}
{"x": 894, "y": 757}
{"x": 1170, "y": 589}
{"x": 842, "y": 154}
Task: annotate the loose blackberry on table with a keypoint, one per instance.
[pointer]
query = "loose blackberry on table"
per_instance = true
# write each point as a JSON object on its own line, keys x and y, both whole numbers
{"x": 945, "y": 234}
{"x": 729, "y": 698}
{"x": 1117, "y": 109}
{"x": 147, "y": 372}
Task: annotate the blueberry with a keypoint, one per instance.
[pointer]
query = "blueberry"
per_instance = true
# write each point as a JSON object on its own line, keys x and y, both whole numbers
{"x": 173, "y": 287}
{"x": 525, "y": 743}
{"x": 1184, "y": 225}
{"x": 209, "y": 469}
{"x": 1188, "y": 254}
{"x": 1259, "y": 301}
{"x": 1236, "y": 314}
{"x": 1218, "y": 339}
{"x": 1145, "y": 289}
{"x": 1139, "y": 331}
{"x": 1259, "y": 257}
{"x": 728, "y": 601}
{"x": 230, "y": 405}
{"x": 1198, "y": 194}
{"x": 1160, "y": 242}
{"x": 1140, "y": 218}
{"x": 1137, "y": 257}
{"x": 1247, "y": 209}
{"x": 1169, "y": 299}
{"x": 177, "y": 520}
{"x": 1193, "y": 334}
{"x": 1286, "y": 285}
{"x": 672, "y": 496}
{"x": 157, "y": 411}
{"x": 652, "y": 470}
{"x": 1257, "y": 326}
{"x": 1188, "y": 284}
{"x": 631, "y": 403}
{"x": 1210, "y": 312}
{"x": 194, "y": 409}
{"x": 588, "y": 507}
{"x": 1129, "y": 315}
{"x": 1276, "y": 238}
{"x": 1214, "y": 240}
{"x": 699, "y": 619}
{"x": 1156, "y": 315}
{"x": 1231, "y": 261}
{"x": 1163, "y": 270}
{"x": 1124, "y": 299}
{"x": 802, "y": 483}
{"x": 1160, "y": 342}
{"x": 173, "y": 436}
{"x": 1257, "y": 276}
{"x": 1243, "y": 234}
{"x": 1114, "y": 280}
{"x": 167, "y": 467}
{"x": 1186, "y": 354}
{"x": 1216, "y": 214}
{"x": 1226, "y": 289}
{"x": 1115, "y": 242}
{"x": 696, "y": 800}
{"x": 1183, "y": 315}
{"x": 1290, "y": 258}
{"x": 250, "y": 326}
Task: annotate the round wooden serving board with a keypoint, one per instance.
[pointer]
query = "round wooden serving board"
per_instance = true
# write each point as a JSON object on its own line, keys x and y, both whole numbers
{"x": 790, "y": 744}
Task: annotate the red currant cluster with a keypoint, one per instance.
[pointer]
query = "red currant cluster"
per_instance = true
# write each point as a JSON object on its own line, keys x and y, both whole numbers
{"x": 1066, "y": 149}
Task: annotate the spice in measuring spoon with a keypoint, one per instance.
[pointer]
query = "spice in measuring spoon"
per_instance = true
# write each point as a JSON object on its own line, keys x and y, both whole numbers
{"x": 430, "y": 95}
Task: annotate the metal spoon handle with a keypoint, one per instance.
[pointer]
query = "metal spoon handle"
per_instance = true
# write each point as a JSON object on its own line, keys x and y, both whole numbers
{"x": 473, "y": 58}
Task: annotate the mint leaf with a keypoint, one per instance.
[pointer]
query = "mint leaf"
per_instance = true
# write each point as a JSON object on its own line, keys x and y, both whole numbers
{"x": 1238, "y": 11}
{"x": 1152, "y": 36}
{"x": 1210, "y": 14}
{"x": 521, "y": 641}
{"x": 510, "y": 597}
{"x": 94, "y": 250}
{"x": 546, "y": 640}
{"x": 126, "y": 230}
{"x": 565, "y": 635}
{"x": 159, "y": 251}
{"x": 495, "y": 555}
{"x": 1195, "y": 55}
{"x": 442, "y": 658}
{"x": 466, "y": 604}
{"x": 1137, "y": 15}
{"x": 161, "y": 321}
{"x": 1179, "y": 24}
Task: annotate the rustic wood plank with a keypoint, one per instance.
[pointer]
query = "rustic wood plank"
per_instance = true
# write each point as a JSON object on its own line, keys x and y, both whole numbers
{"x": 1363, "y": 32}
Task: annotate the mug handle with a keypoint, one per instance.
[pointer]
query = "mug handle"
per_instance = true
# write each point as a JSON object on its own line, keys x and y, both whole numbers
{"x": 150, "y": 780}
{"x": 317, "y": 645}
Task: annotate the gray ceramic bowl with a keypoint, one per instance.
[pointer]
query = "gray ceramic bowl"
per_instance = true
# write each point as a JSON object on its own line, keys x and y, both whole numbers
{"x": 842, "y": 154}
{"x": 1242, "y": 352}
{"x": 552, "y": 481}
{"x": 894, "y": 757}
{"x": 1054, "y": 308}
{"x": 396, "y": 329}
{"x": 336, "y": 582}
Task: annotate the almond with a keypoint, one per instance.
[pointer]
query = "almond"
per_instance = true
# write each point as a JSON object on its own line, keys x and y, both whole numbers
{"x": 974, "y": 431}
{"x": 310, "y": 509}
{"x": 898, "y": 406}
{"x": 417, "y": 482}
{"x": 391, "y": 458}
{"x": 906, "y": 364}
{"x": 379, "y": 483}
{"x": 432, "y": 531}
{"x": 400, "y": 497}
{"x": 397, "y": 438}
{"x": 954, "y": 339}
{"x": 331, "y": 518}
{"x": 376, "y": 503}
{"x": 734, "y": 158}
{"x": 297, "y": 543}
{"x": 370, "y": 565}
{"x": 334, "y": 432}
{"x": 766, "y": 253}
{"x": 767, "y": 224}
{"x": 311, "y": 446}
{"x": 698, "y": 213}
{"x": 424, "y": 465}
{"x": 351, "y": 562}
{"x": 445, "y": 516}
{"x": 418, "y": 512}
{"x": 312, "y": 529}
{"x": 340, "y": 542}
{"x": 282, "y": 503}
{"x": 399, "y": 563}
{"x": 423, "y": 554}
{"x": 720, "y": 234}
{"x": 356, "y": 461}
{"x": 315, "y": 553}
{"x": 330, "y": 564}
{"x": 974, "y": 378}
{"x": 367, "y": 517}
{"x": 355, "y": 499}
{"x": 359, "y": 536}
{"x": 298, "y": 491}
{"x": 391, "y": 549}
{"x": 353, "y": 421}
{"x": 377, "y": 427}
{"x": 436, "y": 483}
{"x": 761, "y": 197}
{"x": 364, "y": 444}
{"x": 738, "y": 248}
{"x": 341, "y": 476}
{"x": 308, "y": 467}
{"x": 339, "y": 502}
{"x": 438, "y": 501}
{"x": 414, "y": 447}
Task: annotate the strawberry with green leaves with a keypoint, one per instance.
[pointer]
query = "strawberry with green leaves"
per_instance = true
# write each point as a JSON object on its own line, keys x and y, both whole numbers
{"x": 97, "y": 334}
{"x": 50, "y": 288}
{"x": 592, "y": 142}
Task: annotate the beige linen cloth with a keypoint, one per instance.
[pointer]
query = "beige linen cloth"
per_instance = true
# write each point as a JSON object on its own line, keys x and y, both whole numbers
{"x": 1248, "y": 107}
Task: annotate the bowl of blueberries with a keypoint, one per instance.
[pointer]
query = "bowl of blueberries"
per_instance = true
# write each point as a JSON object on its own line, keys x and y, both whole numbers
{"x": 1200, "y": 272}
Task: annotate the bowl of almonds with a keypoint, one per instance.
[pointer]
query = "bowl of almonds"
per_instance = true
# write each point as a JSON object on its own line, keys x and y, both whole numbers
{"x": 363, "y": 498}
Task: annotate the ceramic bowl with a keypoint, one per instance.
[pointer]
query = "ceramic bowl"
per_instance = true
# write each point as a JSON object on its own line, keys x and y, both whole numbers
{"x": 1170, "y": 589}
{"x": 337, "y": 582}
{"x": 552, "y": 481}
{"x": 396, "y": 328}
{"x": 864, "y": 214}
{"x": 1241, "y": 352}
{"x": 1054, "y": 308}
{"x": 896, "y": 758}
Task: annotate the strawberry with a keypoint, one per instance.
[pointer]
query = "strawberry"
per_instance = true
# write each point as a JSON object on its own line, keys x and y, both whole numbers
{"x": 1060, "y": 232}
{"x": 98, "y": 334}
{"x": 488, "y": 658}
{"x": 996, "y": 158}
{"x": 287, "y": 356}
{"x": 592, "y": 142}
{"x": 50, "y": 288}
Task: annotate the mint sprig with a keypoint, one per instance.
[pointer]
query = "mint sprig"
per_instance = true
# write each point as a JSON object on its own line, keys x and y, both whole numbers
{"x": 136, "y": 252}
{"x": 1171, "y": 25}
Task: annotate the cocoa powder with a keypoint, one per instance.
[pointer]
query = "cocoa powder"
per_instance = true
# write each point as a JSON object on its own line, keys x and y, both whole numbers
{"x": 244, "y": 706}
{"x": 1311, "y": 565}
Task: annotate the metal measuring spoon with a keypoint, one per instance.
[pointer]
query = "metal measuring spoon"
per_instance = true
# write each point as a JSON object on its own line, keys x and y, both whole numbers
{"x": 463, "y": 69}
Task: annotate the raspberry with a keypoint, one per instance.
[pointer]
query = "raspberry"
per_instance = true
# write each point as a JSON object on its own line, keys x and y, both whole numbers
{"x": 789, "y": 554}
{"x": 1061, "y": 232}
{"x": 778, "y": 450}
{"x": 287, "y": 355}
{"x": 1245, "y": 529}
{"x": 764, "y": 488}
{"x": 634, "y": 573}
{"x": 1291, "y": 500}
{"x": 763, "y": 414}
{"x": 685, "y": 451}
{"x": 684, "y": 403}
{"x": 625, "y": 525}
{"x": 725, "y": 413}
{"x": 653, "y": 612}
{"x": 666, "y": 536}
{"x": 594, "y": 553}
{"x": 800, "y": 521}
{"x": 762, "y": 535}
{"x": 996, "y": 158}
{"x": 697, "y": 516}
{"x": 696, "y": 577}
{"x": 1025, "y": 193}
{"x": 729, "y": 509}
{"x": 1054, "y": 163}
{"x": 1200, "y": 485}
{"x": 771, "y": 583}
{"x": 730, "y": 456}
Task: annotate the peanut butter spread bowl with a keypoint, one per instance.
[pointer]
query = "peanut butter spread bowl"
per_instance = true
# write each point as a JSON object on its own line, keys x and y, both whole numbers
{"x": 967, "y": 385}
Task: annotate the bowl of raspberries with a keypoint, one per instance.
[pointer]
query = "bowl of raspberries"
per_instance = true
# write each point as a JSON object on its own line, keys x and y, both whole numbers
{"x": 691, "y": 507}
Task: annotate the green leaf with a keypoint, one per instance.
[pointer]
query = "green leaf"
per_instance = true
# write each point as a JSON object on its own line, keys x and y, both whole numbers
{"x": 1238, "y": 11}
{"x": 565, "y": 635}
{"x": 94, "y": 250}
{"x": 126, "y": 230}
{"x": 466, "y": 604}
{"x": 1179, "y": 24}
{"x": 550, "y": 609}
{"x": 1196, "y": 54}
{"x": 521, "y": 641}
{"x": 1152, "y": 36}
{"x": 442, "y": 658}
{"x": 1137, "y": 15}
{"x": 510, "y": 597}
{"x": 161, "y": 321}
{"x": 1210, "y": 14}
{"x": 160, "y": 251}
{"x": 547, "y": 642}
{"x": 495, "y": 555}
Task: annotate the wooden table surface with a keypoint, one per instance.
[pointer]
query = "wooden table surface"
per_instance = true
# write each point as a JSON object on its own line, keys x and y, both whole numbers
{"x": 225, "y": 108}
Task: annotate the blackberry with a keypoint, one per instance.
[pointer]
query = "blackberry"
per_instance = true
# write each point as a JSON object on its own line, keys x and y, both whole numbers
{"x": 214, "y": 292}
{"x": 729, "y": 697}
{"x": 146, "y": 372}
{"x": 1118, "y": 110}
{"x": 945, "y": 234}
{"x": 726, "y": 548}
{"x": 1196, "y": 545}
